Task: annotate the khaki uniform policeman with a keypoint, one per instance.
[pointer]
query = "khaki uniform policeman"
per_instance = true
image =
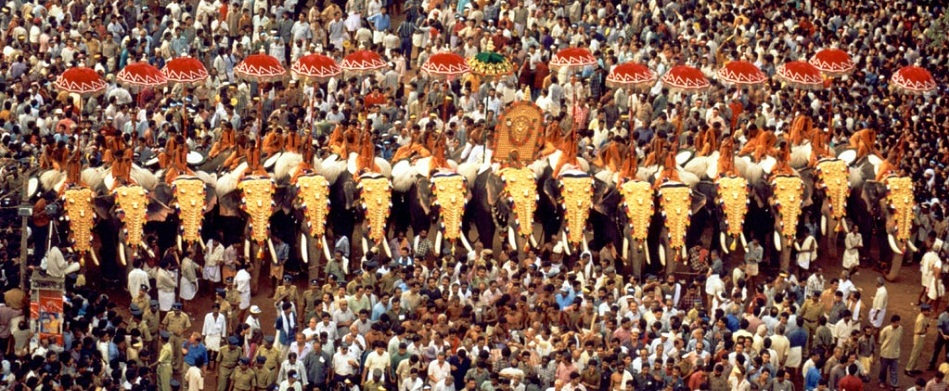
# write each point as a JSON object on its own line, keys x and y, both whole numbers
{"x": 227, "y": 359}
{"x": 289, "y": 291}
{"x": 243, "y": 378}
{"x": 152, "y": 321}
{"x": 177, "y": 323}
{"x": 811, "y": 312}
{"x": 142, "y": 299}
{"x": 263, "y": 375}
{"x": 226, "y": 308}
{"x": 165, "y": 357}
{"x": 271, "y": 355}
{"x": 311, "y": 296}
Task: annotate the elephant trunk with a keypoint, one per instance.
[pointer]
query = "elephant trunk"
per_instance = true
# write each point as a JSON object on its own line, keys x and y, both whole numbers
{"x": 896, "y": 263}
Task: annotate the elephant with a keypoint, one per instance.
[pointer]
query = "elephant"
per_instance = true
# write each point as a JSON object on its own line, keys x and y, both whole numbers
{"x": 892, "y": 201}
{"x": 832, "y": 189}
{"x": 412, "y": 189}
{"x": 577, "y": 193}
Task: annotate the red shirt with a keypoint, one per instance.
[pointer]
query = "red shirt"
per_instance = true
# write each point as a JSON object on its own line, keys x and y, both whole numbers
{"x": 850, "y": 383}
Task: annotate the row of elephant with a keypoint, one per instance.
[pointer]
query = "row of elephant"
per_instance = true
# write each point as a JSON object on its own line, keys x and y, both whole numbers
{"x": 650, "y": 219}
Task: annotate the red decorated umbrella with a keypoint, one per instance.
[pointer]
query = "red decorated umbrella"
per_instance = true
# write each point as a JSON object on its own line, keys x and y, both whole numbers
{"x": 185, "y": 70}
{"x": 80, "y": 80}
{"x": 741, "y": 73}
{"x": 833, "y": 62}
{"x": 316, "y": 67}
{"x": 631, "y": 74}
{"x": 799, "y": 74}
{"x": 141, "y": 74}
{"x": 913, "y": 80}
{"x": 260, "y": 67}
{"x": 685, "y": 79}
{"x": 445, "y": 65}
{"x": 362, "y": 61}
{"x": 572, "y": 58}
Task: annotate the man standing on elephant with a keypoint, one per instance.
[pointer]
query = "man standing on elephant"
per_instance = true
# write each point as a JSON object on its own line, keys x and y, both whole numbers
{"x": 753, "y": 256}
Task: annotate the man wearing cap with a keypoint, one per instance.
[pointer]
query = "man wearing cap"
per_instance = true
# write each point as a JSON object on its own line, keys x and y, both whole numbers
{"x": 271, "y": 355}
{"x": 151, "y": 318}
{"x": 311, "y": 296}
{"x": 165, "y": 359}
{"x": 233, "y": 297}
{"x": 139, "y": 324}
{"x": 177, "y": 323}
{"x": 374, "y": 382}
{"x": 811, "y": 312}
{"x": 243, "y": 378}
{"x": 227, "y": 360}
{"x": 140, "y": 298}
{"x": 288, "y": 291}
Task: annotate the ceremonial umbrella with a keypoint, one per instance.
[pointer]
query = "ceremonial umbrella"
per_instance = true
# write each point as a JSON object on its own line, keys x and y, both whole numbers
{"x": 141, "y": 75}
{"x": 261, "y": 68}
{"x": 572, "y": 58}
{"x": 741, "y": 73}
{"x": 81, "y": 81}
{"x": 632, "y": 75}
{"x": 800, "y": 75}
{"x": 315, "y": 67}
{"x": 913, "y": 80}
{"x": 362, "y": 61}
{"x": 685, "y": 79}
{"x": 832, "y": 62}
{"x": 185, "y": 70}
{"x": 490, "y": 64}
{"x": 445, "y": 65}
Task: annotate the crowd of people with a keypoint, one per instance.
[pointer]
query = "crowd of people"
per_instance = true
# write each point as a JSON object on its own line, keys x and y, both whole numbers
{"x": 493, "y": 321}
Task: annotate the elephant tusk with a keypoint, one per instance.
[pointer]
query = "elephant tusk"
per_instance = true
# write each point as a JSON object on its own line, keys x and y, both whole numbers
{"x": 893, "y": 246}
{"x": 95, "y": 259}
{"x": 247, "y": 249}
{"x": 385, "y": 247}
{"x": 464, "y": 242}
{"x": 510, "y": 237}
{"x": 823, "y": 225}
{"x": 683, "y": 254}
{"x": 303, "y": 247}
{"x": 122, "y": 253}
{"x": 566, "y": 244}
{"x": 722, "y": 241}
{"x": 586, "y": 246}
{"x": 843, "y": 225}
{"x": 625, "y": 248}
{"x": 149, "y": 251}
{"x": 744, "y": 242}
{"x": 178, "y": 241}
{"x": 273, "y": 253}
{"x": 662, "y": 255}
{"x": 645, "y": 250}
{"x": 365, "y": 245}
{"x": 438, "y": 243}
{"x": 909, "y": 243}
{"x": 532, "y": 240}
{"x": 326, "y": 247}
{"x": 777, "y": 241}
{"x": 203, "y": 246}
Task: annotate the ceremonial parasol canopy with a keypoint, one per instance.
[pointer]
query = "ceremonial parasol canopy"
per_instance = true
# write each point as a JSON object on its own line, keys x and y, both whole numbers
{"x": 260, "y": 67}
{"x": 316, "y": 66}
{"x": 799, "y": 74}
{"x": 685, "y": 79}
{"x": 445, "y": 65}
{"x": 631, "y": 74}
{"x": 572, "y": 58}
{"x": 80, "y": 80}
{"x": 833, "y": 62}
{"x": 185, "y": 70}
{"x": 913, "y": 80}
{"x": 141, "y": 74}
{"x": 490, "y": 64}
{"x": 741, "y": 73}
{"x": 362, "y": 61}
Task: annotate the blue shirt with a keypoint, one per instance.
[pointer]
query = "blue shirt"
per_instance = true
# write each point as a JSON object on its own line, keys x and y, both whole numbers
{"x": 377, "y": 310}
{"x": 381, "y": 22}
{"x": 798, "y": 337}
{"x": 195, "y": 351}
{"x": 811, "y": 378}
{"x": 565, "y": 300}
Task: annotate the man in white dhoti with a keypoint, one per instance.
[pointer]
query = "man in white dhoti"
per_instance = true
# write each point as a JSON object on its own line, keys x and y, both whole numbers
{"x": 806, "y": 250}
{"x": 880, "y": 300}
{"x": 852, "y": 245}
{"x": 242, "y": 283}
{"x": 214, "y": 329}
{"x": 213, "y": 259}
{"x": 189, "y": 278}
{"x": 167, "y": 281}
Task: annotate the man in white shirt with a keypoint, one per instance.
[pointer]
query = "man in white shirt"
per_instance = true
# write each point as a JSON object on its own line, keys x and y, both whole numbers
{"x": 880, "y": 301}
{"x": 290, "y": 365}
{"x": 377, "y": 359}
{"x": 411, "y": 383}
{"x": 138, "y": 277}
{"x": 439, "y": 369}
{"x": 242, "y": 282}
{"x": 326, "y": 326}
{"x": 213, "y": 330}
{"x": 301, "y": 346}
{"x": 345, "y": 363}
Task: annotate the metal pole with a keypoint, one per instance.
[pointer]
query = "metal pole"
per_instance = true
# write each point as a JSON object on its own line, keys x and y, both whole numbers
{"x": 25, "y": 212}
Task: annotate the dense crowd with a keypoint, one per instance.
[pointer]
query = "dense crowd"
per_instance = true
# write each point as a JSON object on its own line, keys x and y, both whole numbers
{"x": 493, "y": 321}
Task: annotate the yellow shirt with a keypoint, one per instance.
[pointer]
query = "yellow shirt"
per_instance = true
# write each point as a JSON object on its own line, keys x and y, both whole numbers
{"x": 890, "y": 339}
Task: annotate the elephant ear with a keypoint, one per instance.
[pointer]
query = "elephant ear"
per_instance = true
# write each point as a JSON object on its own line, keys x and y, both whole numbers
{"x": 423, "y": 188}
{"x": 698, "y": 202}
{"x": 874, "y": 194}
{"x": 551, "y": 189}
{"x": 349, "y": 191}
{"x": 605, "y": 198}
{"x": 494, "y": 188}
